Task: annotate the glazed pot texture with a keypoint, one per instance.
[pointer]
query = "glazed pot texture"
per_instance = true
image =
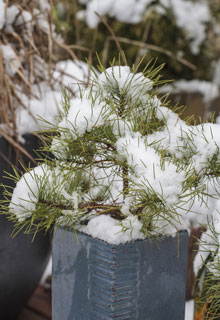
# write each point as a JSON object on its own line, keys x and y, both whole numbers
{"x": 139, "y": 280}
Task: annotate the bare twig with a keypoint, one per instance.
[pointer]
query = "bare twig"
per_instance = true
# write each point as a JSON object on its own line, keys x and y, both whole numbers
{"x": 157, "y": 49}
{"x": 113, "y": 38}
{"x": 143, "y": 39}
{"x": 17, "y": 145}
{"x": 66, "y": 48}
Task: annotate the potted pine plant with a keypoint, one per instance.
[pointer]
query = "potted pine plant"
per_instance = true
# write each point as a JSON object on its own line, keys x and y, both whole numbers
{"x": 126, "y": 175}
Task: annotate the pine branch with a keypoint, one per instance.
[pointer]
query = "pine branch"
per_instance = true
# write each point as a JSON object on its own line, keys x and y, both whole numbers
{"x": 112, "y": 210}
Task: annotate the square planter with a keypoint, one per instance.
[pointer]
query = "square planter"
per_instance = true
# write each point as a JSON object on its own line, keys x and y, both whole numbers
{"x": 140, "y": 280}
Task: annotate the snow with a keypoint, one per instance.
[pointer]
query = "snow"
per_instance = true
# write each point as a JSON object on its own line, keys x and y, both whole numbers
{"x": 46, "y": 108}
{"x": 189, "y": 310}
{"x": 162, "y": 179}
{"x": 25, "y": 194}
{"x": 10, "y": 59}
{"x": 71, "y": 73}
{"x": 15, "y": 14}
{"x": 25, "y": 20}
{"x": 206, "y": 138}
{"x": 11, "y": 14}
{"x": 190, "y": 16}
{"x": 110, "y": 230}
{"x": 42, "y": 22}
{"x": 208, "y": 90}
{"x": 147, "y": 167}
{"x": 2, "y": 14}
{"x": 134, "y": 10}
{"x": 121, "y": 79}
{"x": 209, "y": 243}
{"x": 133, "y": 13}
{"x": 44, "y": 5}
{"x": 101, "y": 7}
{"x": 82, "y": 116}
{"x": 45, "y": 104}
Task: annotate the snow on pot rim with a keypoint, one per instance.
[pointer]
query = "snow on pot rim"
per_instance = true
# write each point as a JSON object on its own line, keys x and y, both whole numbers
{"x": 111, "y": 231}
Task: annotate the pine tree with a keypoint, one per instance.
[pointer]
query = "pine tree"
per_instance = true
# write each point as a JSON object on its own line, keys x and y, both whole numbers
{"x": 119, "y": 150}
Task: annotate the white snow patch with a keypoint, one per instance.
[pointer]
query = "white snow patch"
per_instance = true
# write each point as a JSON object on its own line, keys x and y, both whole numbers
{"x": 147, "y": 167}
{"x": 82, "y": 116}
{"x": 47, "y": 272}
{"x": 2, "y": 13}
{"x": 189, "y": 310}
{"x": 46, "y": 108}
{"x": 133, "y": 13}
{"x": 120, "y": 78}
{"x": 108, "y": 229}
{"x": 71, "y": 73}
{"x": 11, "y": 61}
{"x": 192, "y": 17}
{"x": 208, "y": 90}
{"x": 11, "y": 14}
{"x": 25, "y": 194}
{"x": 47, "y": 104}
{"x": 44, "y": 6}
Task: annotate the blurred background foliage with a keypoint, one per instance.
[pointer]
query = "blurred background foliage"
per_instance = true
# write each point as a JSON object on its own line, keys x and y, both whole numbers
{"x": 158, "y": 36}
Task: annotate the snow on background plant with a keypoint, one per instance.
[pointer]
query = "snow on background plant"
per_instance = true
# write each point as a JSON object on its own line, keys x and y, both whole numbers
{"x": 32, "y": 73}
{"x": 185, "y": 34}
{"x": 189, "y": 15}
{"x": 124, "y": 165}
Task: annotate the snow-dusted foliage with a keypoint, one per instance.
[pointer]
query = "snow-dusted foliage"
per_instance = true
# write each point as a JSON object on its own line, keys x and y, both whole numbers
{"x": 46, "y": 96}
{"x": 191, "y": 16}
{"x": 125, "y": 166}
{"x": 13, "y": 16}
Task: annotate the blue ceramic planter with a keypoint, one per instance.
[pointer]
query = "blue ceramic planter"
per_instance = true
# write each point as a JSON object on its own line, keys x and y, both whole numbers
{"x": 140, "y": 280}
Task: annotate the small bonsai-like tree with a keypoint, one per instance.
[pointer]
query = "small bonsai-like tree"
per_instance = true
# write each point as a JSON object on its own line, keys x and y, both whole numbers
{"x": 120, "y": 158}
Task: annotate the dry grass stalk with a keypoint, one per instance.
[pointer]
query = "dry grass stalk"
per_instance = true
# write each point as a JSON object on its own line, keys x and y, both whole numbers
{"x": 36, "y": 53}
{"x": 114, "y": 37}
